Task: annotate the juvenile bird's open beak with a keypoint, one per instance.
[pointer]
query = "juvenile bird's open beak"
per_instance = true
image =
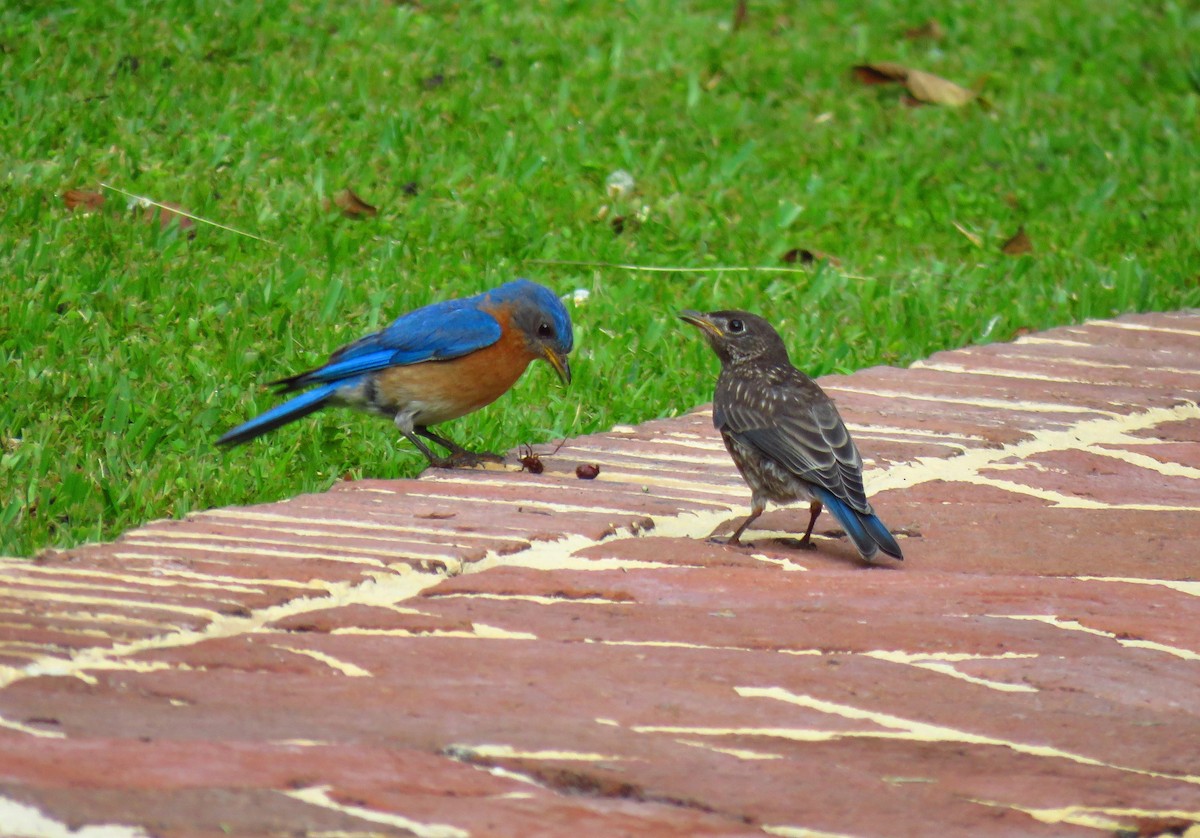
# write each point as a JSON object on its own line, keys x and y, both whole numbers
{"x": 559, "y": 362}
{"x": 701, "y": 321}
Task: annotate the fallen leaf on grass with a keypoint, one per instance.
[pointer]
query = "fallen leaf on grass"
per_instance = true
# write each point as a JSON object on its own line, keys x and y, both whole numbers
{"x": 809, "y": 257}
{"x": 741, "y": 11}
{"x": 166, "y": 212}
{"x": 930, "y": 29}
{"x": 879, "y": 73}
{"x": 80, "y": 199}
{"x": 1018, "y": 244}
{"x": 926, "y": 87}
{"x": 353, "y": 206}
{"x": 922, "y": 87}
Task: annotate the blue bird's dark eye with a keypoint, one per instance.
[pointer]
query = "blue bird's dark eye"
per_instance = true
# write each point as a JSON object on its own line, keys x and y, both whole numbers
{"x": 545, "y": 330}
{"x": 736, "y": 326}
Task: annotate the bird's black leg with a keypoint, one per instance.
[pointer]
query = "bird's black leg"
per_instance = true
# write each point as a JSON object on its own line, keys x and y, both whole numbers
{"x": 434, "y": 459}
{"x": 459, "y": 456}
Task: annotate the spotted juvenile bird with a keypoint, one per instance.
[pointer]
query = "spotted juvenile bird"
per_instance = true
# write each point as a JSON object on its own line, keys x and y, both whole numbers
{"x": 432, "y": 365}
{"x": 784, "y": 433}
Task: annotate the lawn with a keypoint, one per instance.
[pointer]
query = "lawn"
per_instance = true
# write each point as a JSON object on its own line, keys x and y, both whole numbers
{"x": 484, "y": 136}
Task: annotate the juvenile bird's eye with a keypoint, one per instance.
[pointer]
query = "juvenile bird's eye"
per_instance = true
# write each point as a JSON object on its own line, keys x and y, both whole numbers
{"x": 545, "y": 330}
{"x": 736, "y": 326}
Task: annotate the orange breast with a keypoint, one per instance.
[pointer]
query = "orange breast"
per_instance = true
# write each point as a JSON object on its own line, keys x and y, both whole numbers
{"x": 438, "y": 391}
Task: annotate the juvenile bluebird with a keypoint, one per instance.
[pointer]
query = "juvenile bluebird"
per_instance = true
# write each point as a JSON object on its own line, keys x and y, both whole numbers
{"x": 784, "y": 433}
{"x": 432, "y": 365}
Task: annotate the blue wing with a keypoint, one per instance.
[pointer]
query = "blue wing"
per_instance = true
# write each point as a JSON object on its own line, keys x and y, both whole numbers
{"x": 436, "y": 332}
{"x": 280, "y": 415}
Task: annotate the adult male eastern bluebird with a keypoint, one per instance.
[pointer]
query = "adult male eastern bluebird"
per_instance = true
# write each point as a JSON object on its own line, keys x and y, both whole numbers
{"x": 432, "y": 365}
{"x": 784, "y": 433}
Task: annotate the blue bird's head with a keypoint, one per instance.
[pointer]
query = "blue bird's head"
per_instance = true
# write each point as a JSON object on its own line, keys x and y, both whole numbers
{"x": 542, "y": 320}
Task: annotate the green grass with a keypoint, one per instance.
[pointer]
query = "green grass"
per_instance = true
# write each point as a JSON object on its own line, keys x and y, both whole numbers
{"x": 127, "y": 349}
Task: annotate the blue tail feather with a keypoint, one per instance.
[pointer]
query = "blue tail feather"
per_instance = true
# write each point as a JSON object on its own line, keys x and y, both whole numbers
{"x": 869, "y": 534}
{"x": 280, "y": 415}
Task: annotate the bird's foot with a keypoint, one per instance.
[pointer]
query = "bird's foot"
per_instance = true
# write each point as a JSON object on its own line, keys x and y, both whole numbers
{"x": 465, "y": 459}
{"x": 727, "y": 541}
{"x": 805, "y": 543}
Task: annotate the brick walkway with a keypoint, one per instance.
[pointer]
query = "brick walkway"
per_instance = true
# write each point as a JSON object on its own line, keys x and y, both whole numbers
{"x": 496, "y": 653}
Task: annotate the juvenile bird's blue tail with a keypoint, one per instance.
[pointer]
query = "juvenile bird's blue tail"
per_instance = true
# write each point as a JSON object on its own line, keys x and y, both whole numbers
{"x": 289, "y": 411}
{"x": 866, "y": 531}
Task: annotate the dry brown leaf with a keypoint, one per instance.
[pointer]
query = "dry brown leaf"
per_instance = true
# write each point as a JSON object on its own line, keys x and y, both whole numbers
{"x": 353, "y": 206}
{"x": 884, "y": 72}
{"x": 930, "y": 29}
{"x": 166, "y": 212}
{"x": 740, "y": 13}
{"x": 809, "y": 257}
{"x": 624, "y": 223}
{"x": 922, "y": 86}
{"x": 926, "y": 87}
{"x": 82, "y": 200}
{"x": 1018, "y": 244}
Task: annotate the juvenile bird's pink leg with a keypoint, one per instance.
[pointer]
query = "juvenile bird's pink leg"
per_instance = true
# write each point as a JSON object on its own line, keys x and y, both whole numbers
{"x": 805, "y": 543}
{"x": 756, "y": 508}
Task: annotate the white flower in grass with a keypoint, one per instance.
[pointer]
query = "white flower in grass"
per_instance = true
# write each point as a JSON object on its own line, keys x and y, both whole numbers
{"x": 619, "y": 184}
{"x": 577, "y": 297}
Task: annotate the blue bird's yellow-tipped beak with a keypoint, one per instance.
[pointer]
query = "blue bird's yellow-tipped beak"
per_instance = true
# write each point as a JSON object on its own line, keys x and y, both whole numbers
{"x": 560, "y": 364}
{"x": 701, "y": 322}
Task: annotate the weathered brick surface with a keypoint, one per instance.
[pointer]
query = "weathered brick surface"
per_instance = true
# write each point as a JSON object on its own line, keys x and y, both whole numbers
{"x": 497, "y": 653}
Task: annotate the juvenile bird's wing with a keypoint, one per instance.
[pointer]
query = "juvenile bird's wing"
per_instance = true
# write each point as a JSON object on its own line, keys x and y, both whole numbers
{"x": 437, "y": 332}
{"x": 789, "y": 419}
